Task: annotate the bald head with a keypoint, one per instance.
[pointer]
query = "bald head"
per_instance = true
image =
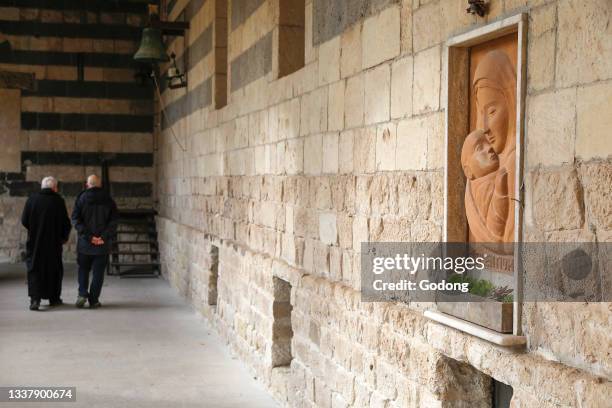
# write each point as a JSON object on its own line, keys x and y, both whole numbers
{"x": 93, "y": 181}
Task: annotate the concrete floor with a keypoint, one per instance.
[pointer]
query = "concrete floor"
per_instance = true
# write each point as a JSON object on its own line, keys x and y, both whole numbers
{"x": 144, "y": 348}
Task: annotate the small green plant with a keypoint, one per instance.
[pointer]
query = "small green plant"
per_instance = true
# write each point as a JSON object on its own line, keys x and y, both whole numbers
{"x": 484, "y": 288}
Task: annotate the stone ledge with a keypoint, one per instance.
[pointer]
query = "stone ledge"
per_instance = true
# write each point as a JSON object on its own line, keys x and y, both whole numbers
{"x": 506, "y": 340}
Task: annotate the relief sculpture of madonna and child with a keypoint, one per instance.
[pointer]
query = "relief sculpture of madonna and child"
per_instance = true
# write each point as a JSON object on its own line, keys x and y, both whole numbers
{"x": 488, "y": 157}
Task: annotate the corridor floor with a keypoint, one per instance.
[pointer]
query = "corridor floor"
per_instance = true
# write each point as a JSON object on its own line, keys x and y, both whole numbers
{"x": 144, "y": 348}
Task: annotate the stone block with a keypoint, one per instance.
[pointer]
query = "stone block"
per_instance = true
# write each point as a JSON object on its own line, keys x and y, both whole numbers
{"x": 328, "y": 231}
{"x": 345, "y": 151}
{"x": 426, "y": 91}
{"x": 350, "y": 58}
{"x": 330, "y": 153}
{"x": 364, "y": 150}
{"x": 313, "y": 113}
{"x": 412, "y": 135}
{"x": 406, "y": 27}
{"x": 329, "y": 61}
{"x": 10, "y": 123}
{"x": 77, "y": 44}
{"x": 381, "y": 37}
{"x": 360, "y": 232}
{"x": 551, "y": 128}
{"x": 426, "y": 26}
{"x": 584, "y": 51}
{"x": 10, "y": 13}
{"x": 137, "y": 142}
{"x": 454, "y": 19}
{"x": 596, "y": 181}
{"x": 36, "y": 104}
{"x": 594, "y": 121}
{"x": 434, "y": 125}
{"x": 354, "y": 102}
{"x": 377, "y": 94}
{"x": 335, "y": 106}
{"x": 542, "y": 20}
{"x": 293, "y": 156}
{"x": 313, "y": 154}
{"x": 557, "y": 200}
{"x": 401, "y": 87}
{"x": 540, "y": 66}
{"x": 289, "y": 119}
{"x": 345, "y": 231}
{"x": 386, "y": 138}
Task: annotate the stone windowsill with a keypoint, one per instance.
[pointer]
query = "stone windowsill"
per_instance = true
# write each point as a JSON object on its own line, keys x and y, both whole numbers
{"x": 501, "y": 339}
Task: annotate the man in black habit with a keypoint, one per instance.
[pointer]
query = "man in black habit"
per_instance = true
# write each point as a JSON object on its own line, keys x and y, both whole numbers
{"x": 46, "y": 219}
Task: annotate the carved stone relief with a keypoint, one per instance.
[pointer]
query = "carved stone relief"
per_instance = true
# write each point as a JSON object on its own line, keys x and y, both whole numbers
{"x": 488, "y": 157}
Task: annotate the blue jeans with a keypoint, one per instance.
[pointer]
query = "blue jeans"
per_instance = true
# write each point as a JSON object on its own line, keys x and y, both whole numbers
{"x": 86, "y": 264}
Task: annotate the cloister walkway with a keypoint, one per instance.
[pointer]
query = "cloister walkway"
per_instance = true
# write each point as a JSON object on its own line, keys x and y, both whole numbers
{"x": 144, "y": 348}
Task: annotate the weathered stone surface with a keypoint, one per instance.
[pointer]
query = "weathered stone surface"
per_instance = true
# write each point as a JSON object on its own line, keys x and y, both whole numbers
{"x": 401, "y": 88}
{"x": 335, "y": 106}
{"x": 427, "y": 26}
{"x": 377, "y": 92}
{"x": 381, "y": 37}
{"x": 426, "y": 91}
{"x": 343, "y": 176}
{"x": 540, "y": 69}
{"x": 557, "y": 200}
{"x": 354, "y": 101}
{"x": 593, "y": 121}
{"x": 330, "y": 153}
{"x": 350, "y": 59}
{"x": 328, "y": 230}
{"x": 584, "y": 52}
{"x": 596, "y": 179}
{"x": 364, "y": 150}
{"x": 551, "y": 128}
{"x": 10, "y": 123}
{"x": 385, "y": 147}
{"x": 411, "y": 153}
{"x": 329, "y": 61}
{"x": 345, "y": 152}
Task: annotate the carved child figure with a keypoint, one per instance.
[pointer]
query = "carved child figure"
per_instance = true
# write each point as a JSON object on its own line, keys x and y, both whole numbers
{"x": 486, "y": 191}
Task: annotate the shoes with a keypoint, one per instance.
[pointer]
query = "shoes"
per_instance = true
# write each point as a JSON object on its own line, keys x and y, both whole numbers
{"x": 81, "y": 300}
{"x": 56, "y": 302}
{"x": 95, "y": 305}
{"x": 34, "y": 304}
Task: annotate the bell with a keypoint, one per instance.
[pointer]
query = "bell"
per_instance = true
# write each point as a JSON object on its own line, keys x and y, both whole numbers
{"x": 152, "y": 49}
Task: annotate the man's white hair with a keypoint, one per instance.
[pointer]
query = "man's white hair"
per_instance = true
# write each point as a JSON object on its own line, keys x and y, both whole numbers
{"x": 48, "y": 182}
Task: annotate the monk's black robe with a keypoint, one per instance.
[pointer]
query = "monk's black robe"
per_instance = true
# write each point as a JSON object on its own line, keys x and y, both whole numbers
{"x": 46, "y": 219}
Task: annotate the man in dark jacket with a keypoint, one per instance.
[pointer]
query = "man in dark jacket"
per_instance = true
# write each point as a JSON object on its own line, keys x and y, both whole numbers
{"x": 46, "y": 219}
{"x": 95, "y": 218}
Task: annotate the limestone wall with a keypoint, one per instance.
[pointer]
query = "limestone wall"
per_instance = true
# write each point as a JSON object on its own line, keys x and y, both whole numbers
{"x": 295, "y": 172}
{"x": 85, "y": 106}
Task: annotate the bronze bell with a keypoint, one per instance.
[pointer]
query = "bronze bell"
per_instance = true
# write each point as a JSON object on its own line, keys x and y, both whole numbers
{"x": 152, "y": 49}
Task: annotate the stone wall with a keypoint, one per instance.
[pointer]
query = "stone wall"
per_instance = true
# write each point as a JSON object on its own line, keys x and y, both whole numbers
{"x": 295, "y": 172}
{"x": 86, "y": 105}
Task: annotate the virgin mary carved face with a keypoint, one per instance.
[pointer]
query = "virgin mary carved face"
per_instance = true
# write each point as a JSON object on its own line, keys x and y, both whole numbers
{"x": 493, "y": 116}
{"x": 494, "y": 87}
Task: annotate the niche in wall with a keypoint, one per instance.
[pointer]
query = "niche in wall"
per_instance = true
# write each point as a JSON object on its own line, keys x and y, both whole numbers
{"x": 290, "y": 37}
{"x": 282, "y": 332}
{"x": 483, "y": 170}
{"x": 213, "y": 276}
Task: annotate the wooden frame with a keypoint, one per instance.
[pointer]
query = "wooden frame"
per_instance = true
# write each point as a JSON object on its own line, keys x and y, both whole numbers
{"x": 457, "y": 125}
